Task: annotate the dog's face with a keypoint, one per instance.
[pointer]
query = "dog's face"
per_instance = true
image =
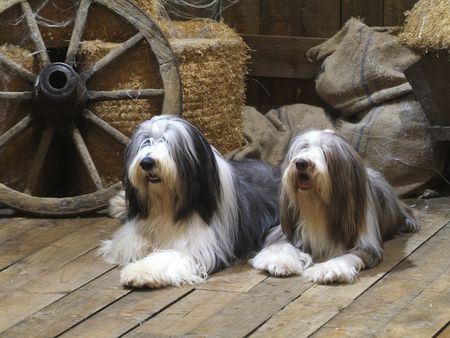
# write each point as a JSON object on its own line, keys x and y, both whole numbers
{"x": 322, "y": 165}
{"x": 307, "y": 169}
{"x": 170, "y": 159}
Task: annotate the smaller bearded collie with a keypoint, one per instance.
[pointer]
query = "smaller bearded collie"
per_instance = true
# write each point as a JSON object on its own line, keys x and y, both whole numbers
{"x": 335, "y": 209}
{"x": 189, "y": 212}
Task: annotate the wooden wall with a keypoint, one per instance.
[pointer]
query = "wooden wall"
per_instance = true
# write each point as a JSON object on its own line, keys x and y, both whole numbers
{"x": 279, "y": 32}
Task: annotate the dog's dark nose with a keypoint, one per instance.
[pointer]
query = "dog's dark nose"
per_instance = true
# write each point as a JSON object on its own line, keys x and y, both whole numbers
{"x": 301, "y": 164}
{"x": 147, "y": 163}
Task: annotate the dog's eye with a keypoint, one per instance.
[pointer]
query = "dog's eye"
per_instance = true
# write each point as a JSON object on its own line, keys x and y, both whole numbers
{"x": 146, "y": 143}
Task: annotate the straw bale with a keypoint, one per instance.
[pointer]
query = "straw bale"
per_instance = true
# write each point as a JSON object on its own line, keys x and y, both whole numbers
{"x": 427, "y": 25}
{"x": 212, "y": 60}
{"x": 56, "y": 18}
{"x": 20, "y": 149}
{"x": 137, "y": 69}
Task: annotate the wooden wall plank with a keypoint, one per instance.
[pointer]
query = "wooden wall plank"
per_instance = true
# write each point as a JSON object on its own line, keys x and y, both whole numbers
{"x": 398, "y": 289}
{"x": 243, "y": 16}
{"x": 318, "y": 305}
{"x": 306, "y": 18}
{"x": 370, "y": 11}
{"x": 277, "y": 56}
{"x": 318, "y": 18}
{"x": 393, "y": 11}
{"x": 279, "y": 92}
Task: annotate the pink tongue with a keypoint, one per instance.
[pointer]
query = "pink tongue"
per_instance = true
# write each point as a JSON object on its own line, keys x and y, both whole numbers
{"x": 304, "y": 183}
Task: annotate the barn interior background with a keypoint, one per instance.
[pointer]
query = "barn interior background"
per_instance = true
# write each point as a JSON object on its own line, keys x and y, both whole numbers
{"x": 52, "y": 280}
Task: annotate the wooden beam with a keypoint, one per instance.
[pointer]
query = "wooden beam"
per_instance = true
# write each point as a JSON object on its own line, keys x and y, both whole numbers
{"x": 281, "y": 56}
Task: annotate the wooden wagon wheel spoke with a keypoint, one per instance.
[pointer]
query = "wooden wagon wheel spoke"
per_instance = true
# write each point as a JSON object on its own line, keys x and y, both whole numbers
{"x": 124, "y": 94}
{"x": 61, "y": 95}
{"x": 39, "y": 158}
{"x": 85, "y": 156}
{"x": 19, "y": 96}
{"x": 108, "y": 129}
{"x": 77, "y": 32}
{"x": 16, "y": 130}
{"x": 35, "y": 34}
{"x": 112, "y": 55}
{"x": 16, "y": 68}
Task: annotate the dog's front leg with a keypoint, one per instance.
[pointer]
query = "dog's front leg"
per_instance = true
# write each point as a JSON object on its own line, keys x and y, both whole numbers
{"x": 281, "y": 259}
{"x": 163, "y": 268}
{"x": 339, "y": 269}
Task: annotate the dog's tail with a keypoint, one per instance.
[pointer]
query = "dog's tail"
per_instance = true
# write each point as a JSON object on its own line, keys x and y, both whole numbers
{"x": 117, "y": 207}
{"x": 410, "y": 223}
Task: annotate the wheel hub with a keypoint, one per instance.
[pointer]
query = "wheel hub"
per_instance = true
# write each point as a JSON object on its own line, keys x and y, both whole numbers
{"x": 59, "y": 93}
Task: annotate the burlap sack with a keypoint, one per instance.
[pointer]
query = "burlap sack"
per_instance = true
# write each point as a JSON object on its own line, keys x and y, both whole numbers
{"x": 362, "y": 77}
{"x": 362, "y": 67}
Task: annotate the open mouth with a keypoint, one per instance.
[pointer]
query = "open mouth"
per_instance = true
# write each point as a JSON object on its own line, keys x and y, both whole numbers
{"x": 153, "y": 178}
{"x": 304, "y": 181}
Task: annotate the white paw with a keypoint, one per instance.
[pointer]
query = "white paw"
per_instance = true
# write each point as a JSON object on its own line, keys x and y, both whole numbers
{"x": 342, "y": 269}
{"x": 281, "y": 260}
{"x": 162, "y": 268}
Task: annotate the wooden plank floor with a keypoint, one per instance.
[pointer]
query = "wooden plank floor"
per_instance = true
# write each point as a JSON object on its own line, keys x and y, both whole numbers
{"x": 53, "y": 284}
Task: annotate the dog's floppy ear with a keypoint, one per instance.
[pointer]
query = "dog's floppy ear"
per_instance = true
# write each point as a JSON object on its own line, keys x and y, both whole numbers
{"x": 199, "y": 174}
{"x": 348, "y": 179}
{"x": 135, "y": 205}
{"x": 289, "y": 215}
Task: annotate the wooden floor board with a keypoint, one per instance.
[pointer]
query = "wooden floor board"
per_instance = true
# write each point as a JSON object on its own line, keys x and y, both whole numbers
{"x": 252, "y": 308}
{"x": 187, "y": 314}
{"x": 127, "y": 313}
{"x": 397, "y": 290}
{"x": 40, "y": 234}
{"x": 321, "y": 303}
{"x": 426, "y": 314}
{"x": 51, "y": 273}
{"x": 56, "y": 285}
{"x": 76, "y": 307}
{"x": 10, "y": 228}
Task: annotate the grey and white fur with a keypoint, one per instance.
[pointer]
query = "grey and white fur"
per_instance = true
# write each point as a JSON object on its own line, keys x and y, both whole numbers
{"x": 335, "y": 209}
{"x": 190, "y": 212}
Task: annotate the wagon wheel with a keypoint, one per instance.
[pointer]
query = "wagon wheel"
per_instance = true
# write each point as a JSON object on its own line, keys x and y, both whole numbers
{"x": 61, "y": 98}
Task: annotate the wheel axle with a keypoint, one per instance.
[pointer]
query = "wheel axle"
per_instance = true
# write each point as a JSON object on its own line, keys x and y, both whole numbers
{"x": 59, "y": 93}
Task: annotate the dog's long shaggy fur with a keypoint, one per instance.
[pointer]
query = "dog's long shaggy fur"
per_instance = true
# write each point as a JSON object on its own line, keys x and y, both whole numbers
{"x": 335, "y": 209}
{"x": 190, "y": 212}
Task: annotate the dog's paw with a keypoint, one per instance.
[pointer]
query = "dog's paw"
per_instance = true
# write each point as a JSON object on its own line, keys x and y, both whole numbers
{"x": 281, "y": 260}
{"x": 335, "y": 270}
{"x": 162, "y": 268}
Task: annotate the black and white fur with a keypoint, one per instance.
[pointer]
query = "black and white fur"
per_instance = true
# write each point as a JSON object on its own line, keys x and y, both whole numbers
{"x": 190, "y": 212}
{"x": 335, "y": 209}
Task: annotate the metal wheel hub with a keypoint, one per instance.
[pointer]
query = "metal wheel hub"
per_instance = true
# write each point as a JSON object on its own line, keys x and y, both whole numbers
{"x": 59, "y": 93}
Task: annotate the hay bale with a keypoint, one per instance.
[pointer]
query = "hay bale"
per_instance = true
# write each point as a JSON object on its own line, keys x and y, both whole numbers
{"x": 20, "y": 149}
{"x": 212, "y": 60}
{"x": 102, "y": 23}
{"x": 135, "y": 70}
{"x": 427, "y": 25}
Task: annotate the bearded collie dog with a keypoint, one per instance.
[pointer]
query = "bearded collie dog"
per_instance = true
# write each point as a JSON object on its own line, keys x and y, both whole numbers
{"x": 189, "y": 211}
{"x": 335, "y": 209}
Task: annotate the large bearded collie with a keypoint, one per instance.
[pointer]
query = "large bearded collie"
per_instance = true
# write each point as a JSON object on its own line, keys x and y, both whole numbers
{"x": 334, "y": 209}
{"x": 190, "y": 211}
